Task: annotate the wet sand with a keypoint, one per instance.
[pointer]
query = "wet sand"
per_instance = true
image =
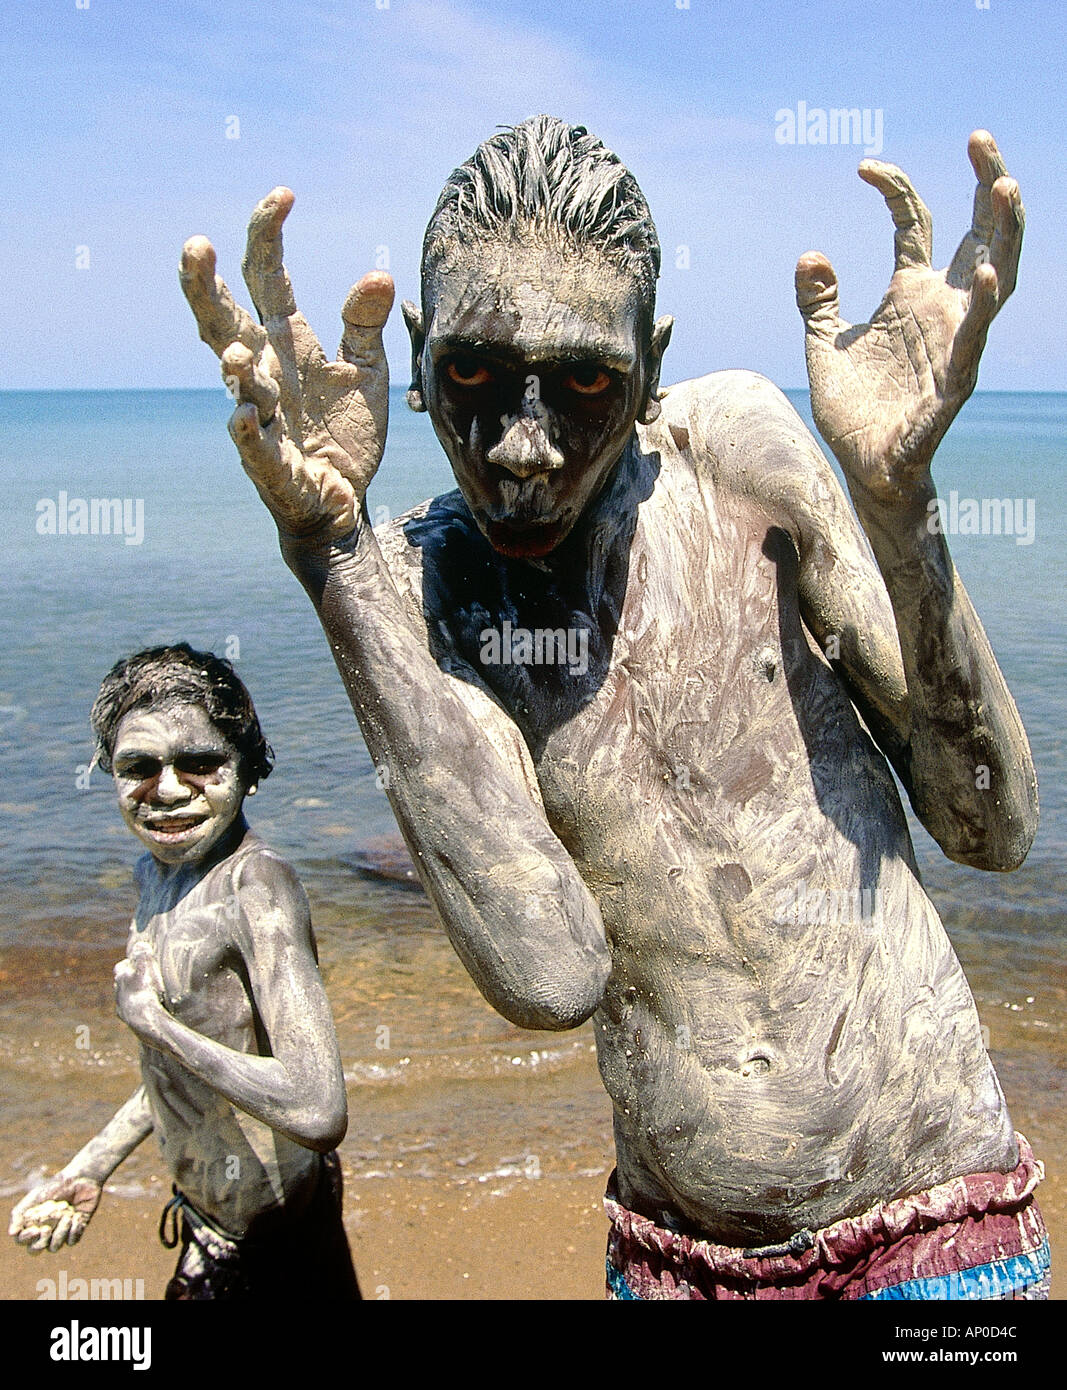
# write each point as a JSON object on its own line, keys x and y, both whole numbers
{"x": 411, "y": 1238}
{"x": 542, "y": 1239}
{"x": 477, "y": 1153}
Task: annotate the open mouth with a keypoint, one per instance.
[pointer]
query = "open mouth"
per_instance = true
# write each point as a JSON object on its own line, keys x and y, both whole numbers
{"x": 173, "y": 828}
{"x": 528, "y": 541}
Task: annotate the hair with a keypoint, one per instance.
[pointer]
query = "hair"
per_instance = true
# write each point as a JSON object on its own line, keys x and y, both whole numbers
{"x": 178, "y": 675}
{"x": 545, "y": 176}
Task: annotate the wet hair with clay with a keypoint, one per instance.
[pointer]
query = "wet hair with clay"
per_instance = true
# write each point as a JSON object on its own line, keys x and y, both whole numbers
{"x": 545, "y": 177}
{"x": 160, "y": 677}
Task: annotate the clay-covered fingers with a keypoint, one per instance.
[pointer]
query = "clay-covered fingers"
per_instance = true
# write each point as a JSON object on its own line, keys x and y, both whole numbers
{"x": 305, "y": 495}
{"x": 260, "y": 446}
{"x": 264, "y": 272}
{"x": 219, "y": 318}
{"x": 364, "y": 314}
{"x": 1009, "y": 222}
{"x": 988, "y": 166}
{"x": 913, "y": 240}
{"x": 61, "y": 1230}
{"x": 19, "y": 1211}
{"x": 970, "y": 337}
{"x": 248, "y": 383}
{"x": 42, "y": 1225}
{"x": 817, "y": 297}
{"x": 997, "y": 221}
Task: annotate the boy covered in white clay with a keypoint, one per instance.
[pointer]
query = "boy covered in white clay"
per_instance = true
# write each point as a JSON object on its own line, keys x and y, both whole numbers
{"x": 241, "y": 1074}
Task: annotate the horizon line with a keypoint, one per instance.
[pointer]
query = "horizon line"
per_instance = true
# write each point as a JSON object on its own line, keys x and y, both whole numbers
{"x": 222, "y": 390}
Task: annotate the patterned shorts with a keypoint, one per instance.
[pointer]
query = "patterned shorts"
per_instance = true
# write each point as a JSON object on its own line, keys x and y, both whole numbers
{"x": 976, "y": 1237}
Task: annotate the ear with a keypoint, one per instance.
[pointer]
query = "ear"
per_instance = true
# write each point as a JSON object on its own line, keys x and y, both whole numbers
{"x": 417, "y": 333}
{"x": 661, "y": 336}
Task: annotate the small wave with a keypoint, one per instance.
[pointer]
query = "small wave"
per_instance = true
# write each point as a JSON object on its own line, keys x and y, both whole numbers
{"x": 468, "y": 1064}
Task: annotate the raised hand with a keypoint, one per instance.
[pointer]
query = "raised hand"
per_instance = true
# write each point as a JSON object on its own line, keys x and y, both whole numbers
{"x": 884, "y": 393}
{"x": 55, "y": 1213}
{"x": 310, "y": 432}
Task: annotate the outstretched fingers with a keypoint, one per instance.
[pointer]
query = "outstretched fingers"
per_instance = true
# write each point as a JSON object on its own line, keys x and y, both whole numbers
{"x": 1009, "y": 222}
{"x": 220, "y": 319}
{"x": 970, "y": 337}
{"x": 997, "y": 222}
{"x": 988, "y": 166}
{"x": 265, "y": 274}
{"x": 913, "y": 241}
{"x": 248, "y": 383}
{"x": 364, "y": 314}
{"x": 817, "y": 297}
{"x": 261, "y": 450}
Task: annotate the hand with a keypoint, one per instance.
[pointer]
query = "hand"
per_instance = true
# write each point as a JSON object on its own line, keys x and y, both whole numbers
{"x": 139, "y": 990}
{"x": 310, "y": 433}
{"x": 54, "y": 1213}
{"x": 884, "y": 393}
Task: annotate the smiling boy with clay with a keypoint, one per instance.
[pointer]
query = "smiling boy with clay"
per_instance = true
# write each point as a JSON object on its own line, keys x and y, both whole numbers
{"x": 241, "y": 1074}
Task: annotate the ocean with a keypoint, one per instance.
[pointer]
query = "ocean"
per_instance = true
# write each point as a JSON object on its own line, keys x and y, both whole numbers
{"x": 440, "y": 1087}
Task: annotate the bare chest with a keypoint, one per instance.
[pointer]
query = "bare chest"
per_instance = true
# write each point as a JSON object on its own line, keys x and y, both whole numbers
{"x": 689, "y": 723}
{"x": 192, "y": 940}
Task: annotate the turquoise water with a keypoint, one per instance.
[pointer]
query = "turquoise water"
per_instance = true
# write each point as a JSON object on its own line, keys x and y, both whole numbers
{"x": 208, "y": 570}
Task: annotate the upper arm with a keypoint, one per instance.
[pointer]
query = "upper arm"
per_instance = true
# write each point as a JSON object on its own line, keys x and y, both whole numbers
{"x": 500, "y": 730}
{"x": 773, "y": 457}
{"x": 273, "y": 935}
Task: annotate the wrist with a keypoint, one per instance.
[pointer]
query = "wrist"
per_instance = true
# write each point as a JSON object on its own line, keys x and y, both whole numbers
{"x": 894, "y": 509}
{"x": 84, "y": 1168}
{"x": 352, "y": 562}
{"x": 314, "y": 555}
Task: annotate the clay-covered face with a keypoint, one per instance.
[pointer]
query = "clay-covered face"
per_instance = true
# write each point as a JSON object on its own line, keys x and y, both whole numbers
{"x": 178, "y": 781}
{"x": 535, "y": 366}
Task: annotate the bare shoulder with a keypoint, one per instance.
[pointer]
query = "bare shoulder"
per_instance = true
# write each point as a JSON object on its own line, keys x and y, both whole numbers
{"x": 405, "y": 539}
{"x": 741, "y": 431}
{"x": 265, "y": 887}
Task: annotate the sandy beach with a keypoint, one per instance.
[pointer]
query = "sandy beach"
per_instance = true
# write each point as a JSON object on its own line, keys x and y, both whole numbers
{"x": 413, "y": 1239}
{"x": 477, "y": 1152}
{"x": 409, "y": 1239}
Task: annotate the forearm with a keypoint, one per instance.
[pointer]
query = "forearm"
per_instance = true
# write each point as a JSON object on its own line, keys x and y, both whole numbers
{"x": 972, "y": 775}
{"x": 115, "y": 1142}
{"x": 512, "y": 901}
{"x": 305, "y": 1105}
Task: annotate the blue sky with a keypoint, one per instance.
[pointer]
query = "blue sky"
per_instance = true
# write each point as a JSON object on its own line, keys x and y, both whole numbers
{"x": 116, "y": 115}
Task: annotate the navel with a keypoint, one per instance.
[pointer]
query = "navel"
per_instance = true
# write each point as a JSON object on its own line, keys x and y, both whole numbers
{"x": 757, "y": 1063}
{"x": 766, "y": 662}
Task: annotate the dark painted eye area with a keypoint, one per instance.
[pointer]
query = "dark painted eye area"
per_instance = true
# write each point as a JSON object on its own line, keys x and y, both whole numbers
{"x": 468, "y": 371}
{"x": 198, "y": 764}
{"x": 141, "y": 770}
{"x": 587, "y": 380}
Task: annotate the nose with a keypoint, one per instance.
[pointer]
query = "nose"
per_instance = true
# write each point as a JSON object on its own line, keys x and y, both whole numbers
{"x": 169, "y": 786}
{"x": 526, "y": 447}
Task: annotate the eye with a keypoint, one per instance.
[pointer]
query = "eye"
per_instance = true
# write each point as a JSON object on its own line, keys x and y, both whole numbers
{"x": 198, "y": 764}
{"x": 141, "y": 770}
{"x": 587, "y": 381}
{"x": 467, "y": 371}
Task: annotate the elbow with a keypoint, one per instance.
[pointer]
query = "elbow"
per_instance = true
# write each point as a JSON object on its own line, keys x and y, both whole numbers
{"x": 553, "y": 1005}
{"x": 991, "y": 828}
{"x": 1001, "y": 853}
{"x": 999, "y": 846}
{"x": 320, "y": 1130}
